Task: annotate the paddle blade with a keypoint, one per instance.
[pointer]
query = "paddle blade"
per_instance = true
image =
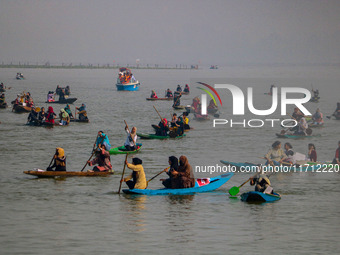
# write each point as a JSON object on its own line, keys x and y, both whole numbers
{"x": 234, "y": 191}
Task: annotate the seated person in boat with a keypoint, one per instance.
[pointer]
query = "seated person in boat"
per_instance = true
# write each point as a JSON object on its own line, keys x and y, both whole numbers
{"x": 312, "y": 156}
{"x": 162, "y": 129}
{"x": 275, "y": 155}
{"x": 184, "y": 176}
{"x": 196, "y": 105}
{"x": 180, "y": 126}
{"x": 102, "y": 160}
{"x": 261, "y": 182}
{"x": 179, "y": 88}
{"x": 62, "y": 95}
{"x": 173, "y": 120}
{"x": 67, "y": 90}
{"x": 136, "y": 180}
{"x": 315, "y": 94}
{"x": 68, "y": 110}
{"x": 169, "y": 93}
{"x": 82, "y": 112}
{"x": 50, "y": 96}
{"x": 29, "y": 102}
{"x": 102, "y": 139}
{"x": 59, "y": 161}
{"x": 42, "y": 115}
{"x": 2, "y": 99}
{"x": 302, "y": 126}
{"x": 336, "y": 159}
{"x": 173, "y": 162}
{"x": 64, "y": 117}
{"x": 58, "y": 89}
{"x": 337, "y": 110}
{"x": 317, "y": 117}
{"x": 153, "y": 94}
{"x": 186, "y": 120}
{"x": 297, "y": 113}
{"x": 131, "y": 139}
{"x": 33, "y": 116}
{"x": 212, "y": 107}
{"x": 50, "y": 115}
{"x": 177, "y": 100}
{"x": 186, "y": 88}
{"x": 289, "y": 152}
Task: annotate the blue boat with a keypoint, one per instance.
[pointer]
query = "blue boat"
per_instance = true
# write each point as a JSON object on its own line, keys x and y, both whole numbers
{"x": 201, "y": 185}
{"x": 126, "y": 81}
{"x": 260, "y": 197}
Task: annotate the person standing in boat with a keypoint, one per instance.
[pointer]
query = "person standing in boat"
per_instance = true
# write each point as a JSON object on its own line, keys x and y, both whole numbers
{"x": 275, "y": 155}
{"x": 131, "y": 139}
{"x": 102, "y": 160}
{"x": 317, "y": 117}
{"x": 336, "y": 159}
{"x": 173, "y": 162}
{"x": 184, "y": 176}
{"x": 177, "y": 100}
{"x": 312, "y": 156}
{"x": 59, "y": 161}
{"x": 186, "y": 88}
{"x": 50, "y": 115}
{"x": 179, "y": 88}
{"x": 136, "y": 180}
{"x": 102, "y": 139}
{"x": 169, "y": 93}
{"x": 153, "y": 94}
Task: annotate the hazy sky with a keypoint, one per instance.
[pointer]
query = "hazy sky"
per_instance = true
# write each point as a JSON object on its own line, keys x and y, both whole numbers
{"x": 170, "y": 32}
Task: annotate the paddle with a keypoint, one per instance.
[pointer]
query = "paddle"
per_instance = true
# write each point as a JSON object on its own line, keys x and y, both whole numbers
{"x": 147, "y": 183}
{"x": 130, "y": 133}
{"x": 93, "y": 152}
{"x": 121, "y": 179}
{"x": 51, "y": 162}
{"x": 180, "y": 93}
{"x": 158, "y": 113}
{"x": 235, "y": 190}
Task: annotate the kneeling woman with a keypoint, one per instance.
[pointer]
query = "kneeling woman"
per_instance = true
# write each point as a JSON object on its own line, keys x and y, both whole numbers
{"x": 59, "y": 160}
{"x": 184, "y": 176}
{"x": 102, "y": 159}
{"x": 138, "y": 176}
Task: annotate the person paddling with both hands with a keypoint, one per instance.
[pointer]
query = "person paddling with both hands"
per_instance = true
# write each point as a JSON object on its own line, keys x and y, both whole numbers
{"x": 136, "y": 180}
{"x": 59, "y": 161}
{"x": 131, "y": 139}
{"x": 102, "y": 139}
{"x": 102, "y": 159}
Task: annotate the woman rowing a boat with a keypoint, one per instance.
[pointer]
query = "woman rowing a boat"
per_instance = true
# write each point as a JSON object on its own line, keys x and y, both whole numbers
{"x": 153, "y": 94}
{"x": 68, "y": 110}
{"x": 177, "y": 100}
{"x": 136, "y": 180}
{"x": 184, "y": 176}
{"x": 103, "y": 139}
{"x": 312, "y": 152}
{"x": 131, "y": 139}
{"x": 102, "y": 159}
{"x": 173, "y": 162}
{"x": 33, "y": 116}
{"x": 275, "y": 155}
{"x": 336, "y": 160}
{"x": 82, "y": 113}
{"x": 59, "y": 161}
{"x": 162, "y": 129}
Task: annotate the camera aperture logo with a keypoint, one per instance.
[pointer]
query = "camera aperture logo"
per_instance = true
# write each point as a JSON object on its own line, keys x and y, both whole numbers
{"x": 239, "y": 105}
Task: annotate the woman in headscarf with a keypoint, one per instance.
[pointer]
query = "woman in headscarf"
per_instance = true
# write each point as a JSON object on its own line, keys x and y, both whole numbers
{"x": 50, "y": 115}
{"x": 82, "y": 112}
{"x": 163, "y": 128}
{"x": 64, "y": 117}
{"x": 173, "y": 162}
{"x": 68, "y": 110}
{"x": 153, "y": 94}
{"x": 136, "y": 180}
{"x": 102, "y": 159}
{"x": 275, "y": 155}
{"x": 131, "y": 139}
{"x": 59, "y": 160}
{"x": 184, "y": 176}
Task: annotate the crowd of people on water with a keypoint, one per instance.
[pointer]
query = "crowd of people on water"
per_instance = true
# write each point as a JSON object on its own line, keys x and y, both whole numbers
{"x": 169, "y": 94}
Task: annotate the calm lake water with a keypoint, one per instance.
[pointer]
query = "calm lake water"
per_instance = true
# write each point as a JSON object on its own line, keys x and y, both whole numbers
{"x": 87, "y": 216}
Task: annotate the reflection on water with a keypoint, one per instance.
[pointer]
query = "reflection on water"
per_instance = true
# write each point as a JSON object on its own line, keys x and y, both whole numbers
{"x": 135, "y": 210}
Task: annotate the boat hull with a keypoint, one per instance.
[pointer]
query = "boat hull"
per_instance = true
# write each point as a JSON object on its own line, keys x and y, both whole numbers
{"x": 152, "y": 136}
{"x": 296, "y": 136}
{"x": 128, "y": 87}
{"x": 121, "y": 150}
{"x": 214, "y": 183}
{"x": 51, "y": 174}
{"x": 160, "y": 99}
{"x": 21, "y": 109}
{"x": 259, "y": 197}
{"x": 64, "y": 101}
{"x": 78, "y": 120}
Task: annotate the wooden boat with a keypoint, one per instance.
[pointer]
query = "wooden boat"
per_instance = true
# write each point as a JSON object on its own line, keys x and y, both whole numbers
{"x": 160, "y": 99}
{"x": 296, "y": 136}
{"x": 312, "y": 125}
{"x": 260, "y": 197}
{"x": 69, "y": 100}
{"x": 201, "y": 117}
{"x": 3, "y": 106}
{"x": 178, "y": 107}
{"x": 212, "y": 110}
{"x": 185, "y": 93}
{"x": 21, "y": 109}
{"x": 78, "y": 120}
{"x": 201, "y": 185}
{"x": 314, "y": 99}
{"x": 153, "y": 136}
{"x": 128, "y": 84}
{"x": 19, "y": 76}
{"x": 122, "y": 150}
{"x": 41, "y": 124}
{"x": 51, "y": 174}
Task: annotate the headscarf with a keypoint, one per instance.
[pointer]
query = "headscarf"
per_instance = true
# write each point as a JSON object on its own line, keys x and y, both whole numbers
{"x": 60, "y": 158}
{"x": 137, "y": 161}
{"x": 174, "y": 162}
{"x": 64, "y": 114}
{"x": 185, "y": 167}
{"x": 50, "y": 112}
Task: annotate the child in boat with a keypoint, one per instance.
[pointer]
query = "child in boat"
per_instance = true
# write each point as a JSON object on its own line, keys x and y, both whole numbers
{"x": 131, "y": 139}
{"x": 261, "y": 182}
{"x": 64, "y": 118}
{"x": 102, "y": 159}
{"x": 184, "y": 176}
{"x": 59, "y": 161}
{"x": 102, "y": 139}
{"x": 173, "y": 162}
{"x": 336, "y": 160}
{"x": 153, "y": 94}
{"x": 136, "y": 180}
{"x": 50, "y": 96}
{"x": 275, "y": 155}
{"x": 312, "y": 152}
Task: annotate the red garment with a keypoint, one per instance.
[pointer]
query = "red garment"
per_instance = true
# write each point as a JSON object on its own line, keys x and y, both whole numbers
{"x": 50, "y": 115}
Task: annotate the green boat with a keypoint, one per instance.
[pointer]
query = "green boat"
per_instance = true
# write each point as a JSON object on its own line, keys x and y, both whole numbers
{"x": 122, "y": 150}
{"x": 296, "y": 136}
{"x": 152, "y": 136}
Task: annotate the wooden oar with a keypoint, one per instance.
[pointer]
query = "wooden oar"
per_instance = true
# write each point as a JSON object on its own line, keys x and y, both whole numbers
{"x": 147, "y": 183}
{"x": 130, "y": 133}
{"x": 51, "y": 161}
{"x": 180, "y": 93}
{"x": 121, "y": 179}
{"x": 158, "y": 112}
{"x": 93, "y": 152}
